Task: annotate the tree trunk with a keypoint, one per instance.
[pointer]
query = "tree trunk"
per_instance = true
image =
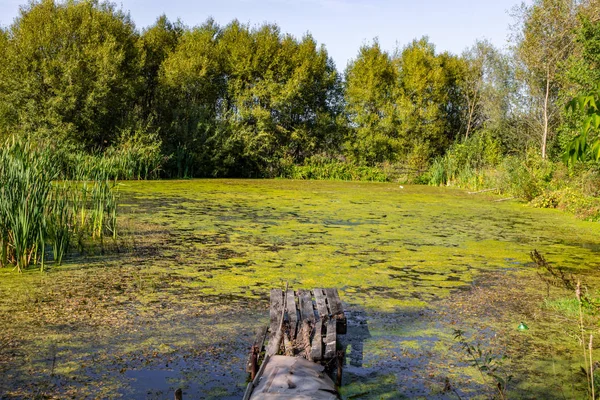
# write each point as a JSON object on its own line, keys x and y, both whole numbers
{"x": 545, "y": 135}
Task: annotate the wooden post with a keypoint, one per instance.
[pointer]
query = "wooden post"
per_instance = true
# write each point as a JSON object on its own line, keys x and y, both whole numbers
{"x": 179, "y": 394}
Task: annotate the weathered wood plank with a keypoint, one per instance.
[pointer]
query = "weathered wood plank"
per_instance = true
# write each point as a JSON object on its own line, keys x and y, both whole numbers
{"x": 316, "y": 350}
{"x": 334, "y": 302}
{"x": 276, "y": 308}
{"x": 331, "y": 339}
{"x": 305, "y": 305}
{"x": 259, "y": 341}
{"x": 335, "y": 308}
{"x": 321, "y": 301}
{"x": 292, "y": 311}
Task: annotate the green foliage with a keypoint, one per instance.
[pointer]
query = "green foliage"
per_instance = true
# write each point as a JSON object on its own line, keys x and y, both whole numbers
{"x": 525, "y": 178}
{"x": 371, "y": 86}
{"x": 583, "y": 147}
{"x": 489, "y": 364}
{"x": 71, "y": 71}
{"x": 465, "y": 160}
{"x": 325, "y": 168}
{"x": 37, "y": 210}
{"x": 251, "y": 97}
{"x": 426, "y": 96}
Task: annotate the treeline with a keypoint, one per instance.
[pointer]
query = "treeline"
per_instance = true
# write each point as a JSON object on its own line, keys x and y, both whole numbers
{"x": 244, "y": 101}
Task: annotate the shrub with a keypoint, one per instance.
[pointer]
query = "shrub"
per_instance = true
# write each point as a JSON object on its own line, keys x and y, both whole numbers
{"x": 326, "y": 168}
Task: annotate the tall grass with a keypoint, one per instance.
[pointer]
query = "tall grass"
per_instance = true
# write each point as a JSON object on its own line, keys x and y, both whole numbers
{"x": 42, "y": 212}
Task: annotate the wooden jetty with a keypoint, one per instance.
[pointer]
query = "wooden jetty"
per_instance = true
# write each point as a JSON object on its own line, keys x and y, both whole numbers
{"x": 294, "y": 355}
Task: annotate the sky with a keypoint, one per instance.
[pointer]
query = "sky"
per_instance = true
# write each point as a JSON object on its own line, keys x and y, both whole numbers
{"x": 342, "y": 25}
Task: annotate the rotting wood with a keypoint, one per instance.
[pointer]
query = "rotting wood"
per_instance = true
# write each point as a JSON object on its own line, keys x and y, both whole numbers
{"x": 335, "y": 308}
{"x": 292, "y": 312}
{"x": 321, "y": 301}
{"x": 256, "y": 379}
{"x": 178, "y": 394}
{"x": 287, "y": 344}
{"x": 315, "y": 317}
{"x": 316, "y": 350}
{"x": 257, "y": 345}
{"x": 276, "y": 308}
{"x": 305, "y": 304}
{"x": 334, "y": 302}
{"x": 275, "y": 341}
{"x": 331, "y": 339}
{"x": 304, "y": 333}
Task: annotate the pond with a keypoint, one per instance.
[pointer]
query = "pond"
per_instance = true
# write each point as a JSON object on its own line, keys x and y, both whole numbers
{"x": 176, "y": 304}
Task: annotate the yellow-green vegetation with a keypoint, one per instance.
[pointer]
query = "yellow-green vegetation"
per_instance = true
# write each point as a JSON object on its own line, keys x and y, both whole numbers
{"x": 39, "y": 211}
{"x": 178, "y": 305}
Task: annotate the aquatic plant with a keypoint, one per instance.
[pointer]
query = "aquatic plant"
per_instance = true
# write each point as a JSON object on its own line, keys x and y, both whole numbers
{"x": 486, "y": 362}
{"x": 37, "y": 210}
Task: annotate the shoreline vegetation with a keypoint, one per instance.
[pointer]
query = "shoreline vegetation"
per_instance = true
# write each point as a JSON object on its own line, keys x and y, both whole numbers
{"x": 172, "y": 101}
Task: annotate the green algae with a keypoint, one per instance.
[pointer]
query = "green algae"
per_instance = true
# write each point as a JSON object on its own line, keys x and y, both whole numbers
{"x": 207, "y": 249}
{"x": 363, "y": 238}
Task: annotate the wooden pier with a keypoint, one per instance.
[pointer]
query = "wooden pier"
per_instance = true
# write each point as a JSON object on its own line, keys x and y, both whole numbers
{"x": 293, "y": 355}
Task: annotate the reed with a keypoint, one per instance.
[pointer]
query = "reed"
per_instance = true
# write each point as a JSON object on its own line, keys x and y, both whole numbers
{"x": 42, "y": 212}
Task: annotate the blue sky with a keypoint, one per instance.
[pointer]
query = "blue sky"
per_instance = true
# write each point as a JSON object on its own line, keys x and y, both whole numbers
{"x": 342, "y": 25}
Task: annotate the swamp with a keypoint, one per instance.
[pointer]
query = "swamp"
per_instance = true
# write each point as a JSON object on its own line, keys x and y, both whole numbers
{"x": 425, "y": 274}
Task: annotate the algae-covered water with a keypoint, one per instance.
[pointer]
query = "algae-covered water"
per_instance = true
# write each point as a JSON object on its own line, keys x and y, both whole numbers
{"x": 176, "y": 304}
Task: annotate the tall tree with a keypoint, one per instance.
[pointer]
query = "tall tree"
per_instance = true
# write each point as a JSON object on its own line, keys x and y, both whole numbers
{"x": 476, "y": 59}
{"x": 157, "y": 42}
{"x": 426, "y": 87}
{"x": 72, "y": 70}
{"x": 191, "y": 84}
{"x": 371, "y": 87}
{"x": 544, "y": 36}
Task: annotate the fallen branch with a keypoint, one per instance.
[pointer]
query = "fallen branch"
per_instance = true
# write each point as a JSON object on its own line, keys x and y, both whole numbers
{"x": 483, "y": 191}
{"x": 506, "y": 199}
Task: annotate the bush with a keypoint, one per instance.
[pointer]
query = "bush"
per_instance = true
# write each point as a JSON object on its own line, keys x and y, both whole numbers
{"x": 326, "y": 168}
{"x": 466, "y": 163}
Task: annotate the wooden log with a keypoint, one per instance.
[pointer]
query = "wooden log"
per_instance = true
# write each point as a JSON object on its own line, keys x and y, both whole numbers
{"x": 316, "y": 350}
{"x": 321, "y": 301}
{"x": 305, "y": 304}
{"x": 178, "y": 394}
{"x": 331, "y": 340}
{"x": 337, "y": 311}
{"x": 276, "y": 310}
{"x": 292, "y": 311}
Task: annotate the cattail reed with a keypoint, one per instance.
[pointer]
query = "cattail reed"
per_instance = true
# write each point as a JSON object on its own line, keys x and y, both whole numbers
{"x": 41, "y": 211}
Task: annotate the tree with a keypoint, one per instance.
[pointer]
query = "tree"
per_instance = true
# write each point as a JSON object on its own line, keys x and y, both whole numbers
{"x": 157, "y": 42}
{"x": 544, "y": 37}
{"x": 192, "y": 86}
{"x": 475, "y": 78}
{"x": 71, "y": 72}
{"x": 427, "y": 89}
{"x": 371, "y": 87}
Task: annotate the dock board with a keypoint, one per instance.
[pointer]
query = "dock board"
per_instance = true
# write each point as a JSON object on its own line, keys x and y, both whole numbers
{"x": 312, "y": 321}
{"x": 323, "y": 311}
